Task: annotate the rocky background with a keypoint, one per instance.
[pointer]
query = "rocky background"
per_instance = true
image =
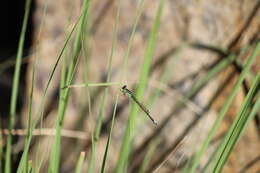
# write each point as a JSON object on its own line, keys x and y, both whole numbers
{"x": 194, "y": 35}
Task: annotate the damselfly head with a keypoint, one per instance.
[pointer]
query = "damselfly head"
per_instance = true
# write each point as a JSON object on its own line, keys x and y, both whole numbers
{"x": 123, "y": 89}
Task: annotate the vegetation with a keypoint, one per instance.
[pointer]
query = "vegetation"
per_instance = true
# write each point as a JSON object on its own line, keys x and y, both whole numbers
{"x": 101, "y": 121}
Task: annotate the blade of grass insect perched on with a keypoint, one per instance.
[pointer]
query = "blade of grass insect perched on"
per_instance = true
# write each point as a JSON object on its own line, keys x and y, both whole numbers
{"x": 132, "y": 96}
{"x": 125, "y": 148}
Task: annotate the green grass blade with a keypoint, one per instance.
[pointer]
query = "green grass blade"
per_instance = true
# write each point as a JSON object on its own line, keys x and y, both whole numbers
{"x": 26, "y": 148}
{"x": 30, "y": 168}
{"x": 92, "y": 85}
{"x": 239, "y": 125}
{"x": 109, "y": 137}
{"x": 123, "y": 74}
{"x": 223, "y": 110}
{"x": 125, "y": 148}
{"x": 15, "y": 87}
{"x": 54, "y": 69}
{"x": 148, "y": 156}
{"x": 209, "y": 161}
{"x": 130, "y": 42}
{"x": 80, "y": 162}
{"x": 165, "y": 76}
{"x": 22, "y": 164}
{"x": 64, "y": 94}
{"x": 213, "y": 72}
{"x": 30, "y": 106}
{"x": 125, "y": 62}
{"x": 108, "y": 79}
{"x": 93, "y": 155}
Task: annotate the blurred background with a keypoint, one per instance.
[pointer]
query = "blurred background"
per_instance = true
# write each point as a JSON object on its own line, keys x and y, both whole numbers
{"x": 188, "y": 81}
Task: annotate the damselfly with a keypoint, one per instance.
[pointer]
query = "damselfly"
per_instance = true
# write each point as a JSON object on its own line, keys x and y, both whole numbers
{"x": 132, "y": 96}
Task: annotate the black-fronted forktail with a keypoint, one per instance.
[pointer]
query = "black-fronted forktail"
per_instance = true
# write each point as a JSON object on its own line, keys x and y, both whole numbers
{"x": 132, "y": 96}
